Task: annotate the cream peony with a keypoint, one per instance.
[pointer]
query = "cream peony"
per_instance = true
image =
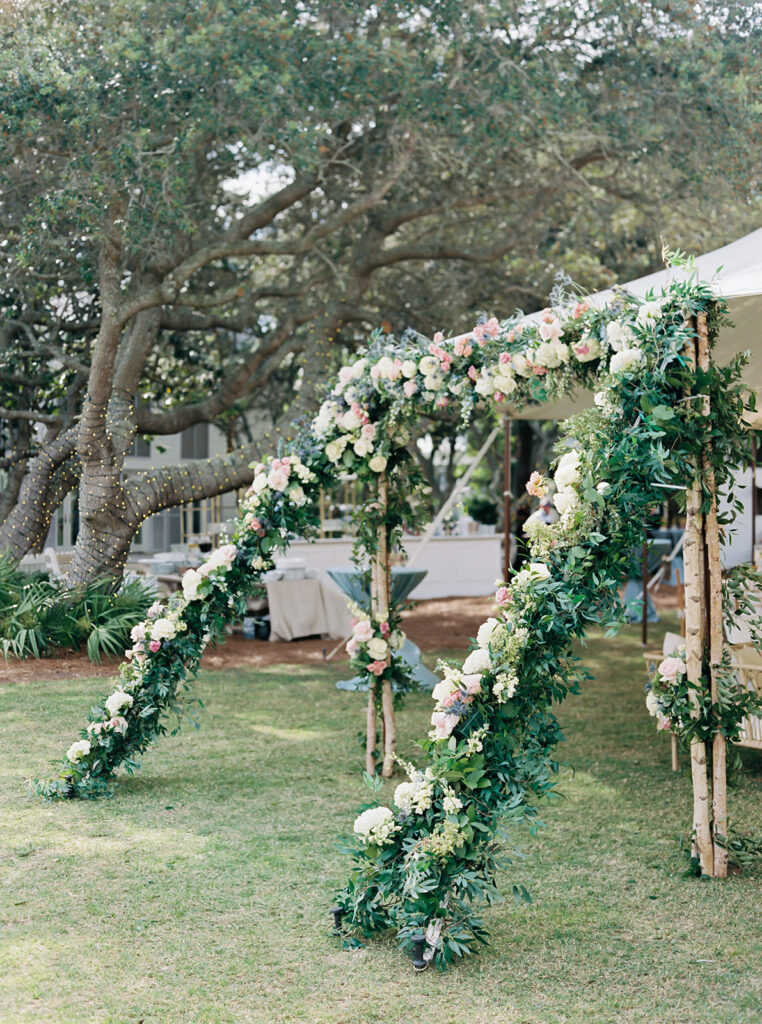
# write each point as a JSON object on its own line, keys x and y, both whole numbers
{"x": 618, "y": 336}
{"x": 362, "y": 631}
{"x": 377, "y": 464}
{"x": 443, "y": 689}
{"x": 409, "y": 369}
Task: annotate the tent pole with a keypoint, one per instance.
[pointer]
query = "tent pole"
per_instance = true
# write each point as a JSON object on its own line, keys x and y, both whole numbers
{"x": 714, "y": 611}
{"x": 507, "y": 500}
{"x": 644, "y": 616}
{"x": 379, "y": 598}
{"x": 695, "y": 635}
{"x": 753, "y": 494}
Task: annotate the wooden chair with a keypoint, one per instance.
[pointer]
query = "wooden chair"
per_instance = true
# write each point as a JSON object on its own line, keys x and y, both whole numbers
{"x": 748, "y": 665}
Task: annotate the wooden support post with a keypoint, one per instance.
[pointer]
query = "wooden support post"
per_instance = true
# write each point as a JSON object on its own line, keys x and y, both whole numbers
{"x": 507, "y": 500}
{"x": 379, "y": 603}
{"x": 714, "y": 593}
{"x": 695, "y": 635}
{"x": 644, "y": 617}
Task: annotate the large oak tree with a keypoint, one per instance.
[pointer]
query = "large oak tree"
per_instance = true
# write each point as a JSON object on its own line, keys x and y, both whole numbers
{"x": 204, "y": 203}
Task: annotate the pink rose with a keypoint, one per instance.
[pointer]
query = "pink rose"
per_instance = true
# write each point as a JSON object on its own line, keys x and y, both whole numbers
{"x": 502, "y": 596}
{"x": 155, "y": 645}
{"x": 363, "y": 632}
{"x": 345, "y": 374}
{"x": 118, "y": 724}
{"x": 580, "y": 308}
{"x": 368, "y": 431}
{"x": 351, "y": 648}
{"x": 377, "y": 667}
{"x": 443, "y": 724}
{"x": 473, "y": 373}
{"x": 670, "y": 668}
{"x": 409, "y": 387}
{"x": 385, "y": 630}
{"x": 438, "y": 338}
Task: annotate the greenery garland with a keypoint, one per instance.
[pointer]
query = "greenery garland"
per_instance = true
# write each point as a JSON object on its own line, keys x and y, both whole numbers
{"x": 429, "y": 865}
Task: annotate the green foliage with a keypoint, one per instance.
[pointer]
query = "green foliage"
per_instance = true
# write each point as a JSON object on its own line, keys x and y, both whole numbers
{"x": 39, "y": 617}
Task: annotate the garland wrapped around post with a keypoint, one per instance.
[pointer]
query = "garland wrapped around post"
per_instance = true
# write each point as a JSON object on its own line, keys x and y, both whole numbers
{"x": 425, "y": 868}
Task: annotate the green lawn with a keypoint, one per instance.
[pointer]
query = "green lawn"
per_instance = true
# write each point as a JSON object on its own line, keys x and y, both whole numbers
{"x": 200, "y": 893}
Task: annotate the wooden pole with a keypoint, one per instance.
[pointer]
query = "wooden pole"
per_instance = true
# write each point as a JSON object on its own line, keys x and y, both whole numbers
{"x": 695, "y": 634}
{"x": 714, "y": 602}
{"x": 379, "y": 595}
{"x": 644, "y": 617}
{"x": 753, "y": 494}
{"x": 507, "y": 500}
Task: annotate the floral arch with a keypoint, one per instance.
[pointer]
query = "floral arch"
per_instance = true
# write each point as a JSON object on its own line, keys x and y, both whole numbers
{"x": 664, "y": 416}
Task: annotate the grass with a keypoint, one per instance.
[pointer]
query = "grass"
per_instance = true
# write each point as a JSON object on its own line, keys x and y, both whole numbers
{"x": 200, "y": 893}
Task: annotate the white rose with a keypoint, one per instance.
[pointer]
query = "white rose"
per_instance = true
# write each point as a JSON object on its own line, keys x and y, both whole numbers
{"x": 618, "y": 336}
{"x": 652, "y": 704}
{"x": 539, "y": 570}
{"x": 429, "y": 366}
{"x": 477, "y": 661}
{"x": 486, "y": 630}
{"x": 378, "y": 648}
{"x": 484, "y": 385}
{"x": 163, "y": 629}
{"x": 350, "y": 420}
{"x": 335, "y": 449}
{"x": 565, "y": 499}
{"x": 118, "y": 700}
{"x": 504, "y": 384}
{"x": 627, "y": 359}
{"x": 358, "y": 368}
{"x": 297, "y": 495}
{"x": 566, "y": 474}
{"x": 362, "y": 447}
{"x": 520, "y": 365}
{"x": 78, "y": 750}
{"x": 443, "y": 689}
{"x": 603, "y": 487}
{"x": 191, "y": 582}
{"x": 409, "y": 369}
{"x": 377, "y": 464}
{"x": 260, "y": 483}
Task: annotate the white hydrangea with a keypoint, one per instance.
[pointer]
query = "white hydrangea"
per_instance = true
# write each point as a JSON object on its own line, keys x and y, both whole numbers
{"x": 78, "y": 750}
{"x": 619, "y": 336}
{"x": 118, "y": 700}
{"x": 376, "y": 825}
{"x": 414, "y": 797}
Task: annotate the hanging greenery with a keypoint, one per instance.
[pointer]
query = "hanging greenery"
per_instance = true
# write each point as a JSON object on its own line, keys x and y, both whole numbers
{"x": 427, "y": 866}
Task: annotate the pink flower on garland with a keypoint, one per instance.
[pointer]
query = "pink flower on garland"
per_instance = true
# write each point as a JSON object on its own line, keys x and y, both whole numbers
{"x": 377, "y": 667}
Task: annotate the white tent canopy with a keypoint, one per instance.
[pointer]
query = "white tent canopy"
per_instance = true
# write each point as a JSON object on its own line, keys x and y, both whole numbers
{"x": 735, "y": 271}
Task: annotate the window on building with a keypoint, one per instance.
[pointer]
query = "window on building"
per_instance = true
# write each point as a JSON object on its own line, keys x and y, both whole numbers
{"x": 194, "y": 442}
{"x": 141, "y": 447}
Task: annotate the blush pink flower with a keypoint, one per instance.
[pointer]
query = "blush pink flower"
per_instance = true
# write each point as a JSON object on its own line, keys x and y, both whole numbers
{"x": 473, "y": 373}
{"x": 409, "y": 387}
{"x": 462, "y": 346}
{"x": 670, "y": 668}
{"x": 155, "y": 645}
{"x": 580, "y": 308}
{"x": 438, "y": 338}
{"x": 472, "y": 684}
{"x": 363, "y": 632}
{"x": 443, "y": 724}
{"x": 502, "y": 596}
{"x": 351, "y": 647}
{"x": 536, "y": 485}
{"x": 385, "y": 630}
{"x": 377, "y": 667}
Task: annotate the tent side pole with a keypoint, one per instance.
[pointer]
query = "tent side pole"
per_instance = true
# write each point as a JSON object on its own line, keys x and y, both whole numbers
{"x": 714, "y": 582}
{"x": 507, "y": 500}
{"x": 379, "y": 596}
{"x": 695, "y": 622}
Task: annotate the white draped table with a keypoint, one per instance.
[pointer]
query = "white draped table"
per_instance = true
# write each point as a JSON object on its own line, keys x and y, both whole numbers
{"x": 306, "y": 607}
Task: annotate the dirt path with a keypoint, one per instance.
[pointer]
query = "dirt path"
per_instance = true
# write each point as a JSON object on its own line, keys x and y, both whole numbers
{"x": 442, "y": 624}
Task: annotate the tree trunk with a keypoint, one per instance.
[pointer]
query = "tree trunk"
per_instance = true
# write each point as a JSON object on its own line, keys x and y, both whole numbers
{"x": 380, "y": 610}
